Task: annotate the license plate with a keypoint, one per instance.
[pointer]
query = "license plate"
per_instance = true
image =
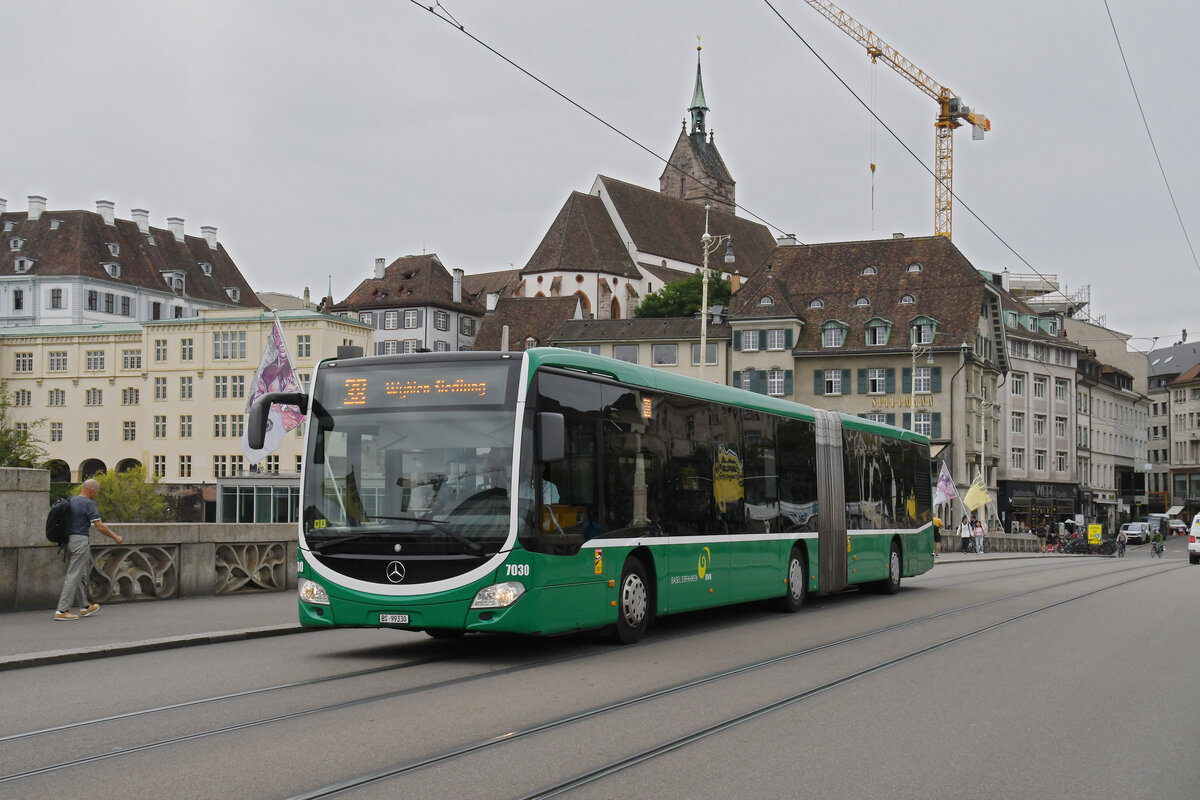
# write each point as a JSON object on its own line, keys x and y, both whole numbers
{"x": 393, "y": 619}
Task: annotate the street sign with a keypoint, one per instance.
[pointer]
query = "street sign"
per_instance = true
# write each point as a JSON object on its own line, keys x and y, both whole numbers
{"x": 1094, "y": 533}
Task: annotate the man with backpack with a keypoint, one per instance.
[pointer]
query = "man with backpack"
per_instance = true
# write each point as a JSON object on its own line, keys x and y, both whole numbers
{"x": 84, "y": 514}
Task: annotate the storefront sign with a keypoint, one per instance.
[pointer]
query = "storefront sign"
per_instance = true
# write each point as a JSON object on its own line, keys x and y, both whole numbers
{"x": 921, "y": 400}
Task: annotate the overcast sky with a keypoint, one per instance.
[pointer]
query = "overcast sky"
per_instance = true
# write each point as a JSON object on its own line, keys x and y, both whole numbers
{"x": 318, "y": 136}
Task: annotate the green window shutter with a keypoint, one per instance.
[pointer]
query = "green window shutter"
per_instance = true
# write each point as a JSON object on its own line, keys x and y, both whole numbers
{"x": 846, "y": 381}
{"x": 787, "y": 338}
{"x": 762, "y": 340}
{"x": 862, "y": 381}
{"x": 788, "y": 383}
{"x": 907, "y": 379}
{"x": 737, "y": 342}
{"x": 890, "y": 381}
{"x": 890, "y": 419}
{"x": 907, "y": 421}
{"x": 818, "y": 383}
{"x": 935, "y": 379}
{"x": 758, "y": 381}
{"x": 935, "y": 425}
{"x": 737, "y": 377}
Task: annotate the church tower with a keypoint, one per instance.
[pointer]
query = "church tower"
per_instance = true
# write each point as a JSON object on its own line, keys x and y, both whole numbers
{"x": 695, "y": 172}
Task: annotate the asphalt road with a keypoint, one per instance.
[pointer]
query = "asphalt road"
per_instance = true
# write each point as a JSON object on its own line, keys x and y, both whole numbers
{"x": 1055, "y": 678}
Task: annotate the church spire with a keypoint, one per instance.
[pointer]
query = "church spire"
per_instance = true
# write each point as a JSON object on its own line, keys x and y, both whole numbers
{"x": 699, "y": 107}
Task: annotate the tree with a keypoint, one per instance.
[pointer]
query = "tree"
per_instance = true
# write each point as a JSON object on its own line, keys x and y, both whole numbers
{"x": 128, "y": 497}
{"x": 682, "y": 298}
{"x": 19, "y": 445}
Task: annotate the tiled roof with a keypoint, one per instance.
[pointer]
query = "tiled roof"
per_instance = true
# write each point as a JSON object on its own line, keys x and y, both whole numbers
{"x": 525, "y": 317}
{"x": 764, "y": 283}
{"x": 671, "y": 228}
{"x": 947, "y": 288}
{"x": 79, "y": 247}
{"x": 638, "y": 329}
{"x": 582, "y": 238}
{"x": 481, "y": 284}
{"x": 407, "y": 282}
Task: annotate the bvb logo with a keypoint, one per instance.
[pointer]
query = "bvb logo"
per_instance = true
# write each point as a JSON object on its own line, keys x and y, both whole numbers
{"x": 702, "y": 566}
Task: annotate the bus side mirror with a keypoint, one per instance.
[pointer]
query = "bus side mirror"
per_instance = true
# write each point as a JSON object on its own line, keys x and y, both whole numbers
{"x": 551, "y": 434}
{"x": 256, "y": 424}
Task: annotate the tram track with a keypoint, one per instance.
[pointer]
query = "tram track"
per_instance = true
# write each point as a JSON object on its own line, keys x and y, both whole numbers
{"x": 465, "y": 679}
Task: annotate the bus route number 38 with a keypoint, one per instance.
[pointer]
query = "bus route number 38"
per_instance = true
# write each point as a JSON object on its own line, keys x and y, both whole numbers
{"x": 517, "y": 569}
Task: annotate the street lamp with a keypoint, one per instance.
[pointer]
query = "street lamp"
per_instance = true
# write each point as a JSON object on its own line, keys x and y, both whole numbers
{"x": 917, "y": 350}
{"x": 709, "y": 244}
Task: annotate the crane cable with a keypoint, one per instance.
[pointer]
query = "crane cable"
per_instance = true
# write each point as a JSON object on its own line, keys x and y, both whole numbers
{"x": 874, "y": 79}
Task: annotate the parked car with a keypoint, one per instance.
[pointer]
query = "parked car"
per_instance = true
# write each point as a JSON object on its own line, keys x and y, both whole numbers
{"x": 1194, "y": 541}
{"x": 1137, "y": 530}
{"x": 1179, "y": 527}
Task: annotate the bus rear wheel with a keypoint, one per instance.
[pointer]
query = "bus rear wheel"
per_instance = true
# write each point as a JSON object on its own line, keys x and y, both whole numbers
{"x": 891, "y": 585}
{"x": 797, "y": 583}
{"x": 633, "y": 603}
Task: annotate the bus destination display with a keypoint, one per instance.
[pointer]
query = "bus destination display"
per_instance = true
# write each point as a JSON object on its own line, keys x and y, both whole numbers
{"x": 414, "y": 386}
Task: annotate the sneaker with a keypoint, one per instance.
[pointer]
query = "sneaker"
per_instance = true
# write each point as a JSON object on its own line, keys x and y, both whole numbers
{"x": 65, "y": 615}
{"x": 92, "y": 609}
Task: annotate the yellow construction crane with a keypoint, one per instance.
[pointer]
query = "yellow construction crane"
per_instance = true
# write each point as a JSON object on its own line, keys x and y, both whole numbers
{"x": 952, "y": 111}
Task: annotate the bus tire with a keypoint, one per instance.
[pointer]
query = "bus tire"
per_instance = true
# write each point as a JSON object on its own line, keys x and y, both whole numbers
{"x": 797, "y": 583}
{"x": 633, "y": 602}
{"x": 891, "y": 584}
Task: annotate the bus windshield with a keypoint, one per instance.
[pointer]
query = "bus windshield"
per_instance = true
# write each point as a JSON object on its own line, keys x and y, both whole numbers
{"x": 408, "y": 468}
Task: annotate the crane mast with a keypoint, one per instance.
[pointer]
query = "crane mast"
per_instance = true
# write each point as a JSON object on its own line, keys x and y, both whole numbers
{"x": 952, "y": 111}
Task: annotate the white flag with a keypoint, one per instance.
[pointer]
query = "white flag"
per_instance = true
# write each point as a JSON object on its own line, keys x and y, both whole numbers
{"x": 945, "y": 487}
{"x": 275, "y": 374}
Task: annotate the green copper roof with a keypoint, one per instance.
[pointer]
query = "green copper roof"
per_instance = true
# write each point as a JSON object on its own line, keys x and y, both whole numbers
{"x": 698, "y": 94}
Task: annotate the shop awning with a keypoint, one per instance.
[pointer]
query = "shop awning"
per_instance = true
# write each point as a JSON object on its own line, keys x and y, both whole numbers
{"x": 1173, "y": 510}
{"x": 935, "y": 451}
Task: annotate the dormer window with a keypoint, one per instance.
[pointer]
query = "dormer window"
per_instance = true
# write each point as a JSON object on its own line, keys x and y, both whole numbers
{"x": 114, "y": 248}
{"x": 23, "y": 264}
{"x": 870, "y": 271}
{"x": 206, "y": 268}
{"x": 112, "y": 268}
{"x": 862, "y": 302}
{"x": 174, "y": 281}
{"x": 878, "y": 331}
{"x": 923, "y": 329}
{"x": 54, "y": 223}
{"x": 914, "y": 267}
{"x": 766, "y": 300}
{"x": 8, "y": 226}
{"x": 817, "y": 304}
{"x": 234, "y": 293}
{"x": 907, "y": 300}
{"x": 15, "y": 243}
{"x": 833, "y": 334}
{"x": 150, "y": 239}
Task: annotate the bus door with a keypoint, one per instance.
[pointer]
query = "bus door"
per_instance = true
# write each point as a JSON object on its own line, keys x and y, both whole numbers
{"x": 831, "y": 495}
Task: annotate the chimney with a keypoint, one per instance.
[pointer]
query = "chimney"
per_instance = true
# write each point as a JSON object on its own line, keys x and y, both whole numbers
{"x": 897, "y": 235}
{"x": 175, "y": 226}
{"x": 307, "y": 298}
{"x": 37, "y": 206}
{"x": 458, "y": 276}
{"x": 105, "y": 209}
{"x": 379, "y": 268}
{"x": 3, "y": 205}
{"x": 1185, "y": 334}
{"x": 142, "y": 217}
{"x": 209, "y": 232}
{"x": 735, "y": 281}
{"x": 504, "y": 339}
{"x": 788, "y": 239}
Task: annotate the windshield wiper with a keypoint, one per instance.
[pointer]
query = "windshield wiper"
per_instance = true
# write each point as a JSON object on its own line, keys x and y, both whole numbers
{"x": 474, "y": 547}
{"x": 320, "y": 546}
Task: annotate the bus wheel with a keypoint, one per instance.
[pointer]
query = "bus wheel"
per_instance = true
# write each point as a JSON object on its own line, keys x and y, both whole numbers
{"x": 797, "y": 583}
{"x": 633, "y": 603}
{"x": 892, "y": 584}
{"x": 445, "y": 633}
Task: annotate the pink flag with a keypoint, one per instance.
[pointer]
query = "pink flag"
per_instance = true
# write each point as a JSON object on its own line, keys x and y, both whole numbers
{"x": 275, "y": 374}
{"x": 945, "y": 487}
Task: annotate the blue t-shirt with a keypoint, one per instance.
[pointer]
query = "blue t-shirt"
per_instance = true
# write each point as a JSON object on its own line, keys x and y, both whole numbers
{"x": 84, "y": 512}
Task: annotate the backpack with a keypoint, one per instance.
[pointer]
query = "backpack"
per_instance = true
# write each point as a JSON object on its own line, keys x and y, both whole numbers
{"x": 58, "y": 522}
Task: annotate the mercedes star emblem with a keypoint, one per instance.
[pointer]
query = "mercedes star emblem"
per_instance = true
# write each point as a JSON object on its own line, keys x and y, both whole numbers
{"x": 395, "y": 572}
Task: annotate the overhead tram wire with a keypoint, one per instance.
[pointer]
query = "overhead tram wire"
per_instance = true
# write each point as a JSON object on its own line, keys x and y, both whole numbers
{"x": 450, "y": 20}
{"x": 1150, "y": 136}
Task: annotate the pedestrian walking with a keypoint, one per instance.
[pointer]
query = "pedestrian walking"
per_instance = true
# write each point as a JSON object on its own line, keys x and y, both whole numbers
{"x": 937, "y": 536}
{"x": 979, "y": 536}
{"x": 965, "y": 531}
{"x": 84, "y": 514}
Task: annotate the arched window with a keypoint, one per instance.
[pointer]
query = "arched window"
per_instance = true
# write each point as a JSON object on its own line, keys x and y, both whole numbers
{"x": 862, "y": 301}
{"x": 817, "y": 304}
{"x": 907, "y": 300}
{"x": 614, "y": 310}
{"x": 870, "y": 271}
{"x": 584, "y": 304}
{"x": 915, "y": 267}
{"x": 766, "y": 300}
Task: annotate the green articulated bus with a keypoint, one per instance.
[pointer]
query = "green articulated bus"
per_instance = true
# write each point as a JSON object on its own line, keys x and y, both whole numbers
{"x": 551, "y": 490}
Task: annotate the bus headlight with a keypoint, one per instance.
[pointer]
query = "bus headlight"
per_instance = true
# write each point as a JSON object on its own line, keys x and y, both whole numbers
{"x": 312, "y": 592}
{"x": 498, "y": 595}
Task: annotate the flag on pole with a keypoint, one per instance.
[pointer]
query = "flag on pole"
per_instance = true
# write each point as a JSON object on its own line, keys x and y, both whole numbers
{"x": 945, "y": 487}
{"x": 275, "y": 374}
{"x": 977, "y": 495}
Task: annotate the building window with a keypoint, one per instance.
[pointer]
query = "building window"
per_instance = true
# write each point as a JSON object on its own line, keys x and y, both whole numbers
{"x": 304, "y": 345}
{"x": 185, "y": 349}
{"x": 877, "y": 380}
{"x": 22, "y": 362}
{"x": 185, "y": 466}
{"x": 1017, "y": 387}
{"x": 391, "y": 347}
{"x": 93, "y": 360}
{"x": 160, "y": 466}
{"x": 160, "y": 388}
{"x": 1039, "y": 387}
{"x": 220, "y": 467}
{"x": 816, "y": 304}
{"x": 626, "y": 352}
{"x": 56, "y": 397}
{"x": 56, "y": 429}
{"x": 1060, "y": 427}
{"x": 160, "y": 350}
{"x": 237, "y": 386}
{"x": 410, "y": 346}
{"x": 466, "y": 326}
{"x": 185, "y": 387}
{"x": 441, "y": 347}
{"x": 129, "y": 428}
{"x": 160, "y": 426}
{"x": 110, "y": 303}
{"x": 710, "y": 353}
{"x": 923, "y": 423}
{"x": 870, "y": 271}
{"x": 22, "y": 397}
{"x": 220, "y": 426}
{"x": 126, "y": 307}
{"x": 907, "y": 300}
{"x": 131, "y": 396}
{"x": 877, "y": 334}
{"x": 833, "y": 336}
{"x": 235, "y": 294}
{"x": 391, "y": 320}
{"x": 749, "y": 341}
{"x": 1018, "y": 458}
{"x": 833, "y": 381}
{"x": 1060, "y": 389}
{"x": 229, "y": 345}
{"x": 93, "y": 397}
{"x": 1039, "y": 460}
{"x": 411, "y": 317}
{"x": 185, "y": 426}
{"x": 766, "y": 300}
{"x": 775, "y": 382}
{"x": 131, "y": 359}
{"x": 1018, "y": 422}
{"x": 664, "y": 355}
{"x": 237, "y": 464}
{"x": 272, "y": 464}
{"x": 923, "y": 380}
{"x": 220, "y": 387}
{"x": 237, "y": 425}
{"x": 93, "y": 431}
{"x": 441, "y": 321}
{"x": 56, "y": 298}
{"x": 93, "y": 300}
{"x": 862, "y": 301}
{"x": 923, "y": 333}
{"x": 776, "y": 338}
{"x": 1060, "y": 460}
{"x": 367, "y": 318}
{"x": 58, "y": 361}
{"x": 1039, "y": 424}
{"x": 914, "y": 267}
